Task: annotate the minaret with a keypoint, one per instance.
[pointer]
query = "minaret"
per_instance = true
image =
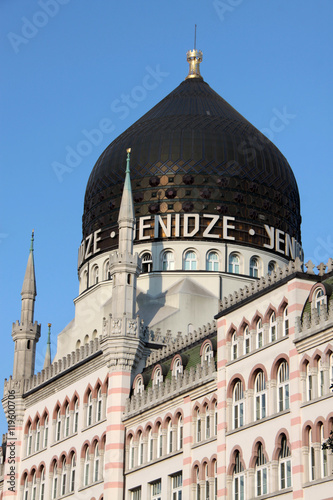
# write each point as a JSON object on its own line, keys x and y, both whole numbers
{"x": 124, "y": 266}
{"x": 47, "y": 361}
{"x": 27, "y": 332}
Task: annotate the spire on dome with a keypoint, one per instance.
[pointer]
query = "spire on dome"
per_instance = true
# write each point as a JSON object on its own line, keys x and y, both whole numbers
{"x": 29, "y": 290}
{"x": 126, "y": 218}
{"x": 47, "y": 361}
{"x": 194, "y": 58}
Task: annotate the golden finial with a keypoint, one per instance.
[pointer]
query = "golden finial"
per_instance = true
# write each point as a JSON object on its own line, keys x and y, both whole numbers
{"x": 194, "y": 58}
{"x": 128, "y": 150}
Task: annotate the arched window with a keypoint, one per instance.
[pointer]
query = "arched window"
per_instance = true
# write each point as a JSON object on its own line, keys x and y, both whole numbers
{"x": 147, "y": 263}
{"x": 207, "y": 422}
{"x": 42, "y": 485}
{"x": 95, "y": 274}
{"x": 158, "y": 377}
{"x": 261, "y": 473}
{"x": 234, "y": 263}
{"x": 215, "y": 418}
{"x": 89, "y": 410}
{"x": 99, "y": 404}
{"x": 212, "y": 261}
{"x": 285, "y": 331}
{"x": 272, "y": 327}
{"x": 312, "y": 459}
{"x": 247, "y": 340}
{"x": 190, "y": 261}
{"x": 37, "y": 438}
{"x": 177, "y": 368}
{"x": 29, "y": 440}
{"x": 309, "y": 384}
{"x": 67, "y": 417}
{"x": 254, "y": 267}
{"x": 86, "y": 467}
{"x": 138, "y": 387}
{"x": 159, "y": 441}
{"x": 238, "y": 405}
{"x": 198, "y": 427}
{"x": 169, "y": 436}
{"x": 140, "y": 449}
{"x": 55, "y": 482}
{"x": 76, "y": 416}
{"x": 58, "y": 426}
{"x": 96, "y": 463}
{"x": 271, "y": 267}
{"x": 238, "y": 479}
{"x": 320, "y": 300}
{"x": 63, "y": 477}
{"x": 26, "y": 488}
{"x": 323, "y": 455}
{"x": 131, "y": 453}
{"x": 206, "y": 478}
{"x": 260, "y": 334}
{"x": 260, "y": 396}
{"x": 168, "y": 263}
{"x": 320, "y": 378}
{"x": 46, "y": 431}
{"x": 72, "y": 473}
{"x": 107, "y": 274}
{"x": 34, "y": 487}
{"x": 284, "y": 465}
{"x": 208, "y": 354}
{"x": 150, "y": 445}
{"x": 234, "y": 353}
{"x": 197, "y": 480}
{"x": 283, "y": 386}
{"x": 180, "y": 433}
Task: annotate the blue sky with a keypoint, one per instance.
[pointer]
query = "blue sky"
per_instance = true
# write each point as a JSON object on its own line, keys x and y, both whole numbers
{"x": 65, "y": 63}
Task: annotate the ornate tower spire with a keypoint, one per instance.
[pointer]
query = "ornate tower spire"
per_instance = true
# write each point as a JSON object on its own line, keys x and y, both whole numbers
{"x": 194, "y": 58}
{"x": 47, "y": 361}
{"x": 27, "y": 332}
{"x": 126, "y": 218}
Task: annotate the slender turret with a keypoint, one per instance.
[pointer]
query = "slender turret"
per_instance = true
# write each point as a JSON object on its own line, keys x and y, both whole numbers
{"x": 47, "y": 361}
{"x": 27, "y": 332}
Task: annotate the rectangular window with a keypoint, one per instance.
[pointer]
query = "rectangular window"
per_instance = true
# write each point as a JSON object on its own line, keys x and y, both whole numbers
{"x": 136, "y": 493}
{"x": 177, "y": 483}
{"x": 156, "y": 490}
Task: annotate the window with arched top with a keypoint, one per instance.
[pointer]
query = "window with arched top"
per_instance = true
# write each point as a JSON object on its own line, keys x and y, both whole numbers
{"x": 147, "y": 262}
{"x": 283, "y": 386}
{"x": 208, "y": 354}
{"x": 197, "y": 483}
{"x": 323, "y": 454}
{"x": 177, "y": 368}
{"x": 271, "y": 267}
{"x": 131, "y": 453}
{"x": 107, "y": 274}
{"x": 138, "y": 386}
{"x": 99, "y": 405}
{"x": 150, "y": 450}
{"x": 215, "y": 418}
{"x": 86, "y": 467}
{"x": 67, "y": 420}
{"x": 206, "y": 479}
{"x": 180, "y": 433}
{"x": 207, "y": 422}
{"x": 168, "y": 262}
{"x": 37, "y": 437}
{"x": 42, "y": 485}
{"x": 26, "y": 488}
{"x": 72, "y": 473}
{"x": 58, "y": 426}
{"x": 95, "y": 275}
{"x": 63, "y": 477}
{"x": 89, "y": 410}
{"x": 234, "y": 353}
{"x": 55, "y": 482}
{"x": 29, "y": 440}
{"x": 169, "y": 437}
{"x": 261, "y": 472}
{"x": 76, "y": 416}
{"x": 159, "y": 441}
{"x": 247, "y": 340}
{"x": 140, "y": 449}
{"x": 234, "y": 263}
{"x": 198, "y": 426}
{"x": 158, "y": 377}
{"x": 238, "y": 405}
{"x": 34, "y": 486}
{"x": 238, "y": 479}
{"x": 309, "y": 382}
{"x": 285, "y": 325}
{"x": 260, "y": 396}
{"x": 190, "y": 261}
{"x": 46, "y": 431}
{"x": 212, "y": 261}
{"x": 320, "y": 378}
{"x": 312, "y": 458}
{"x": 319, "y": 300}
{"x": 96, "y": 463}
{"x": 272, "y": 327}
{"x": 284, "y": 465}
{"x": 254, "y": 267}
{"x": 260, "y": 334}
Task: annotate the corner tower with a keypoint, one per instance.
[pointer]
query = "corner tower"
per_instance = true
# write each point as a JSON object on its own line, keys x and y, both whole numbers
{"x": 26, "y": 332}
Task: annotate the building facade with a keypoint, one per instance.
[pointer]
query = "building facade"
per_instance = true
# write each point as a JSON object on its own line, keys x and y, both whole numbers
{"x": 142, "y": 401}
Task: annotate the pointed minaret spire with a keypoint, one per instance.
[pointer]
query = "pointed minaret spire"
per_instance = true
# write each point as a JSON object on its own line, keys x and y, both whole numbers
{"x": 194, "y": 58}
{"x": 126, "y": 218}
{"x": 47, "y": 361}
{"x": 29, "y": 290}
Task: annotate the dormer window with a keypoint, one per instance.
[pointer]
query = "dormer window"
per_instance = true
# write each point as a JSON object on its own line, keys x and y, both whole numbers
{"x": 158, "y": 377}
{"x": 320, "y": 300}
{"x": 138, "y": 385}
{"x": 177, "y": 368}
{"x": 208, "y": 353}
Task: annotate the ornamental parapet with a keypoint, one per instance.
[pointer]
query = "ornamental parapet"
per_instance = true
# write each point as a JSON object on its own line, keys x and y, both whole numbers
{"x": 153, "y": 396}
{"x": 174, "y": 345}
{"x": 57, "y": 368}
